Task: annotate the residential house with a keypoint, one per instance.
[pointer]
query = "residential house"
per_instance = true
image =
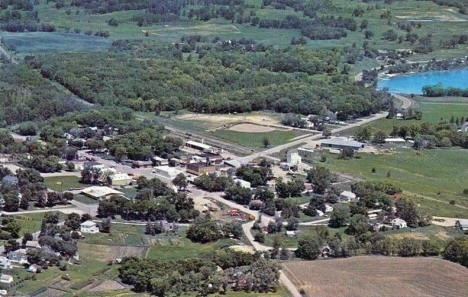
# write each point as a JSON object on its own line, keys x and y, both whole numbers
{"x": 158, "y": 161}
{"x": 6, "y": 280}
{"x": 398, "y": 223}
{"x": 32, "y": 244}
{"x": 89, "y": 227}
{"x": 347, "y": 196}
{"x": 462, "y": 224}
{"x": 34, "y": 268}
{"x": 120, "y": 179}
{"x": 5, "y": 263}
{"x": 18, "y": 256}
{"x": 93, "y": 165}
{"x": 242, "y": 183}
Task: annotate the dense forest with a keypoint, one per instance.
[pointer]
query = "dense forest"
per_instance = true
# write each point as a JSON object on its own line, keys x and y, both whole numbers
{"x": 290, "y": 80}
{"x": 27, "y": 96}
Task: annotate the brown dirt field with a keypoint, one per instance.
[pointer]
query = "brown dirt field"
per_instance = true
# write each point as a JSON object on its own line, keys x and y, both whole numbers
{"x": 251, "y": 128}
{"x": 368, "y": 276}
{"x": 107, "y": 285}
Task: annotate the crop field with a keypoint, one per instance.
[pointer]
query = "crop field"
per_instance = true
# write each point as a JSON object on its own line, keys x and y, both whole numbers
{"x": 438, "y": 173}
{"x": 46, "y": 42}
{"x": 379, "y": 276}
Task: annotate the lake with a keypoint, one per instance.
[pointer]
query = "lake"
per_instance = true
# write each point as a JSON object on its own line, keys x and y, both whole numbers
{"x": 45, "y": 42}
{"x": 413, "y": 83}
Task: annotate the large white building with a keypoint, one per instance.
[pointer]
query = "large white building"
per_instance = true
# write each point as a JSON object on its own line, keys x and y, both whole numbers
{"x": 293, "y": 159}
{"x": 166, "y": 173}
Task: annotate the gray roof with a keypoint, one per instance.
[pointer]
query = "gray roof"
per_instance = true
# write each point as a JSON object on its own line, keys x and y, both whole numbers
{"x": 343, "y": 142}
{"x": 463, "y": 222}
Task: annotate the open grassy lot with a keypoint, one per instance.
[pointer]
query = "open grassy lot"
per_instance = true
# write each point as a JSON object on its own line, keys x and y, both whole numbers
{"x": 67, "y": 182}
{"x": 30, "y": 223}
{"x": 379, "y": 276}
{"x": 434, "y": 111}
{"x": 255, "y": 140}
{"x": 120, "y": 234}
{"x": 438, "y": 173}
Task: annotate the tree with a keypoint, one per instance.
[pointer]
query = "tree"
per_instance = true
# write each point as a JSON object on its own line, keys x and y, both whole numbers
{"x": 379, "y": 137}
{"x": 308, "y": 248}
{"x": 406, "y": 210}
{"x": 12, "y": 227}
{"x": 180, "y": 181}
{"x": 363, "y": 134}
{"x": 457, "y": 251}
{"x": 340, "y": 216}
{"x": 259, "y": 237}
{"x": 266, "y": 142}
{"x": 73, "y": 221}
{"x": 320, "y": 178}
{"x": 105, "y": 226}
{"x": 204, "y": 230}
{"x": 265, "y": 275}
{"x": 358, "y": 224}
{"x": 239, "y": 194}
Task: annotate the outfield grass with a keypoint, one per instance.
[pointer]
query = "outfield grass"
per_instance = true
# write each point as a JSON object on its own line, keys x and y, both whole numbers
{"x": 68, "y": 182}
{"x": 255, "y": 140}
{"x": 438, "y": 173}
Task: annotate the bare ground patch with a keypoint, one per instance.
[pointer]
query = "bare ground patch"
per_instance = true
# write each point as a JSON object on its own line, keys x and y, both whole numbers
{"x": 107, "y": 285}
{"x": 369, "y": 276}
{"x": 251, "y": 128}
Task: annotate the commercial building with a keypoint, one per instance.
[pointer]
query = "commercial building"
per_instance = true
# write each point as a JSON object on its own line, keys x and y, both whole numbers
{"x": 200, "y": 168}
{"x": 198, "y": 146}
{"x": 99, "y": 193}
{"x": 166, "y": 173}
{"x": 342, "y": 143}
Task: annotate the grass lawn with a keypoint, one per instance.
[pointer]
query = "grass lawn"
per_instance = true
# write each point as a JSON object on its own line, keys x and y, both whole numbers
{"x": 180, "y": 247}
{"x": 68, "y": 182}
{"x": 85, "y": 199}
{"x": 438, "y": 173}
{"x": 255, "y": 140}
{"x": 120, "y": 235}
{"x": 432, "y": 232}
{"x": 433, "y": 111}
{"x": 30, "y": 223}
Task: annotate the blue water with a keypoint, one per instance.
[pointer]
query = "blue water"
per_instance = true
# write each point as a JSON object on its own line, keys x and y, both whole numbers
{"x": 413, "y": 83}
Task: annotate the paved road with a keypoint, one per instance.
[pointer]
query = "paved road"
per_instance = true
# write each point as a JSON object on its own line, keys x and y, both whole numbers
{"x": 279, "y": 148}
{"x": 406, "y": 102}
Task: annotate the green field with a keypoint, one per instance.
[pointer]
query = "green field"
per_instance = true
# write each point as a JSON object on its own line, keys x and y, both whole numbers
{"x": 120, "y": 235}
{"x": 255, "y": 140}
{"x": 440, "y": 174}
{"x": 67, "y": 182}
{"x": 30, "y": 223}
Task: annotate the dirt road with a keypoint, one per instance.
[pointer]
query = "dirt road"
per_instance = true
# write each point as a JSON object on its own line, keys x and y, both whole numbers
{"x": 406, "y": 102}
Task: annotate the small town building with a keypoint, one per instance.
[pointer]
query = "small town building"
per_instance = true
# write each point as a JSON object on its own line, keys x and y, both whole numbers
{"x": 166, "y": 173}
{"x": 100, "y": 193}
{"x": 293, "y": 159}
{"x": 342, "y": 143}
{"x": 347, "y": 196}
{"x": 328, "y": 208}
{"x": 34, "y": 268}
{"x": 290, "y": 233}
{"x": 5, "y": 263}
{"x": 89, "y": 227}
{"x": 198, "y": 146}
{"x": 158, "y": 161}
{"x": 395, "y": 140}
{"x": 93, "y": 165}
{"x": 142, "y": 164}
{"x": 232, "y": 163}
{"x": 6, "y": 280}
{"x": 120, "y": 179}
{"x": 306, "y": 152}
{"x": 242, "y": 183}
{"x": 18, "y": 256}
{"x": 200, "y": 168}
{"x": 32, "y": 244}
{"x": 462, "y": 224}
{"x": 212, "y": 158}
{"x": 398, "y": 223}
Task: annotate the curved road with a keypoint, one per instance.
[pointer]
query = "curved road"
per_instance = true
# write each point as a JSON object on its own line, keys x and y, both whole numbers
{"x": 406, "y": 102}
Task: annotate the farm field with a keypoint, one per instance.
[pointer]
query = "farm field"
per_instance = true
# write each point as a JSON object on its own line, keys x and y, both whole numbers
{"x": 46, "y": 42}
{"x": 438, "y": 173}
{"x": 370, "y": 276}
{"x": 67, "y": 182}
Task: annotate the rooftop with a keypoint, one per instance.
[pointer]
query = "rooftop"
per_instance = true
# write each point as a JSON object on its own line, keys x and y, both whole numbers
{"x": 97, "y": 191}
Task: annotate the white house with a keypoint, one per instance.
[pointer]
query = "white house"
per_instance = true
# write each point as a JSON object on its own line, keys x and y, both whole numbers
{"x": 5, "y": 263}
{"x": 6, "y": 280}
{"x": 242, "y": 183}
{"x": 398, "y": 223}
{"x": 89, "y": 227}
{"x": 18, "y": 256}
{"x": 462, "y": 224}
{"x": 347, "y": 196}
{"x": 328, "y": 208}
{"x": 120, "y": 179}
{"x": 293, "y": 158}
{"x": 32, "y": 244}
